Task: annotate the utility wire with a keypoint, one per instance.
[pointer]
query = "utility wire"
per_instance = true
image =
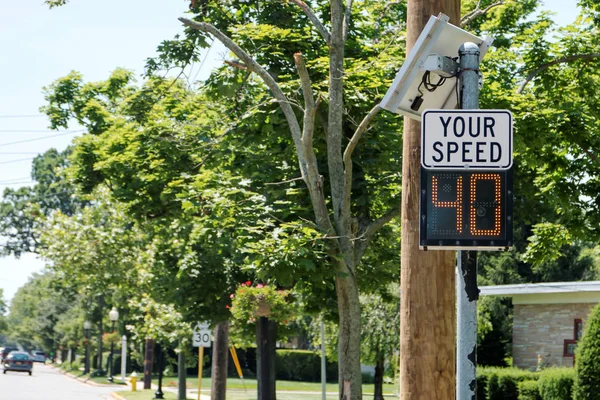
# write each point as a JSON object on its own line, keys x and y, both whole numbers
{"x": 33, "y": 130}
{"x": 23, "y": 116}
{"x": 17, "y": 183}
{"x": 18, "y": 152}
{"x": 17, "y": 160}
{"x": 41, "y": 138}
{"x": 16, "y": 179}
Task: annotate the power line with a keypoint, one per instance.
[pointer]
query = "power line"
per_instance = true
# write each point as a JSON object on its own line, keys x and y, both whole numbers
{"x": 17, "y": 160}
{"x": 41, "y": 138}
{"x": 19, "y": 152}
{"x": 23, "y": 116}
{"x": 16, "y": 179}
{"x": 32, "y": 130}
{"x": 17, "y": 183}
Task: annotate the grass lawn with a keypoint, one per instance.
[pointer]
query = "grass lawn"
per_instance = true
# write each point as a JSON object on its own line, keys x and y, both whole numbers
{"x": 250, "y": 385}
{"x": 145, "y": 395}
{"x": 97, "y": 379}
{"x": 231, "y": 395}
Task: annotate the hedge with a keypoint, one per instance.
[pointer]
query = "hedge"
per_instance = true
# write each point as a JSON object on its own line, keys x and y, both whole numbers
{"x": 556, "y": 383}
{"x": 302, "y": 365}
{"x": 501, "y": 383}
{"x": 528, "y": 390}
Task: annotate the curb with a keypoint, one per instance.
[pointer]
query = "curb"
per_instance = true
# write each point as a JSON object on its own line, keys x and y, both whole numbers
{"x": 86, "y": 381}
{"x": 116, "y": 396}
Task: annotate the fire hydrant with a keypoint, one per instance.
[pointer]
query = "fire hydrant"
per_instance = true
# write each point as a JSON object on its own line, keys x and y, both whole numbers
{"x": 133, "y": 380}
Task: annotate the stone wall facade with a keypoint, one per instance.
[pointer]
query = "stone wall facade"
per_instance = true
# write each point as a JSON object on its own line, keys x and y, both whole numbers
{"x": 541, "y": 329}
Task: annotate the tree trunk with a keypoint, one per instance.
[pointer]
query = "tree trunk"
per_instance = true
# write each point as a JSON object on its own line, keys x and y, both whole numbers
{"x": 219, "y": 362}
{"x": 181, "y": 374}
{"x": 427, "y": 332}
{"x": 148, "y": 363}
{"x": 348, "y": 336}
{"x": 266, "y": 336}
{"x": 379, "y": 370}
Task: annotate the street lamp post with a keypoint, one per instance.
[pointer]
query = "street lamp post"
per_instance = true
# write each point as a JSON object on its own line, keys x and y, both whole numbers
{"x": 87, "y": 326}
{"x": 113, "y": 315}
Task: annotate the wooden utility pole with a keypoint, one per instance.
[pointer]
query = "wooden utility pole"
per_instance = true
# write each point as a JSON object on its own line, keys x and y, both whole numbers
{"x": 427, "y": 329}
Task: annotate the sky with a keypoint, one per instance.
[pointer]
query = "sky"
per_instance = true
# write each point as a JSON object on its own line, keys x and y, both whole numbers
{"x": 93, "y": 37}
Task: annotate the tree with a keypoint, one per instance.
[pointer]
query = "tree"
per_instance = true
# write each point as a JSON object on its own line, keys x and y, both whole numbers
{"x": 380, "y": 334}
{"x": 22, "y": 210}
{"x": 587, "y": 381}
{"x": 35, "y": 311}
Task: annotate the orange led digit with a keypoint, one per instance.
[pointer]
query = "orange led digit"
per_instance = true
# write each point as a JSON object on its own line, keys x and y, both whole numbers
{"x": 457, "y": 204}
{"x": 496, "y": 204}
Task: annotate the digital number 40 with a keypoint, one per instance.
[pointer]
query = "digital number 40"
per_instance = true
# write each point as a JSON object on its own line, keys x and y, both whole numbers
{"x": 475, "y": 207}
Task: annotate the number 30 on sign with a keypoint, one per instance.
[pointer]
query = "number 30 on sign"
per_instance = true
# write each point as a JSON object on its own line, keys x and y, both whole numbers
{"x": 470, "y": 209}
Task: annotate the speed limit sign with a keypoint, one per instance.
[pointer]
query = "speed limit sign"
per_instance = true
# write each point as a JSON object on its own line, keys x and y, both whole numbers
{"x": 202, "y": 335}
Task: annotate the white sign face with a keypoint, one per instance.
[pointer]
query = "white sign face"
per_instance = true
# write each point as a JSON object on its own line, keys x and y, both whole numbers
{"x": 202, "y": 335}
{"x": 458, "y": 139}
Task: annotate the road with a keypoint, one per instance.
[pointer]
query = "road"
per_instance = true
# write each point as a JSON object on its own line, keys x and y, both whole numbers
{"x": 46, "y": 383}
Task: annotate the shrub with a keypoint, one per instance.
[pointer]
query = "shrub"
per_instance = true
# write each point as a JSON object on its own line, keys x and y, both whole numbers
{"x": 75, "y": 365}
{"x": 502, "y": 383}
{"x": 302, "y": 365}
{"x": 528, "y": 390}
{"x": 482, "y": 382}
{"x": 587, "y": 367}
{"x": 367, "y": 378}
{"x": 556, "y": 383}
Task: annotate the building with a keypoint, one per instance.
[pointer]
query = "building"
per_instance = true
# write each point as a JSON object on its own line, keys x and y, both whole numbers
{"x": 548, "y": 319}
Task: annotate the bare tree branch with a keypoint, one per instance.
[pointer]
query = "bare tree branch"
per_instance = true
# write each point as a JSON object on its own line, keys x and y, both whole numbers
{"x": 307, "y": 160}
{"x": 347, "y": 17}
{"x": 561, "y": 60}
{"x": 284, "y": 182}
{"x": 468, "y": 18}
{"x": 236, "y": 64}
{"x": 362, "y": 127}
{"x": 255, "y": 67}
{"x": 310, "y": 110}
{"x": 369, "y": 231}
{"x": 335, "y": 135}
{"x": 309, "y": 101}
{"x": 314, "y": 19}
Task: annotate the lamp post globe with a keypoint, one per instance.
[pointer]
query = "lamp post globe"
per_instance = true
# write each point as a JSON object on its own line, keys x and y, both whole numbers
{"x": 113, "y": 315}
{"x": 87, "y": 326}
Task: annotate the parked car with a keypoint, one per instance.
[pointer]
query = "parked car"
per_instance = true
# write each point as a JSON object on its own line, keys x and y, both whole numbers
{"x": 18, "y": 361}
{"x": 38, "y": 356}
{"x": 6, "y": 351}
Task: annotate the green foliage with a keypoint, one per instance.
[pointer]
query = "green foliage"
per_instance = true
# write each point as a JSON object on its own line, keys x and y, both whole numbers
{"x": 546, "y": 243}
{"x": 302, "y": 365}
{"x": 494, "y": 330}
{"x": 23, "y": 210}
{"x": 528, "y": 390}
{"x": 380, "y": 333}
{"x": 556, "y": 383}
{"x": 501, "y": 383}
{"x": 35, "y": 310}
{"x": 55, "y": 3}
{"x": 252, "y": 302}
{"x": 159, "y": 321}
{"x": 587, "y": 382}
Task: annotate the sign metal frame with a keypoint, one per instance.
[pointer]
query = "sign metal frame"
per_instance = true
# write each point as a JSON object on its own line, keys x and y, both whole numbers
{"x": 485, "y": 244}
{"x": 475, "y": 113}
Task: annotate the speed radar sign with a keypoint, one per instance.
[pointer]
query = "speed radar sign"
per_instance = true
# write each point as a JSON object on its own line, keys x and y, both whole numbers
{"x": 202, "y": 335}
